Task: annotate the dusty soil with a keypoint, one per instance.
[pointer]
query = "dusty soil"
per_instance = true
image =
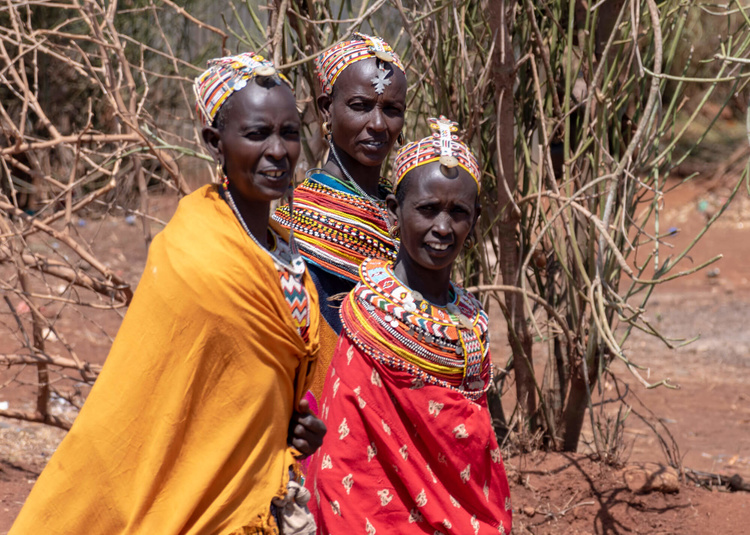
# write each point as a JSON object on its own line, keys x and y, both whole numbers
{"x": 708, "y": 414}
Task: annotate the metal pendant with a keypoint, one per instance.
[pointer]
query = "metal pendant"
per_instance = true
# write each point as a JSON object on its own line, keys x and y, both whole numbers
{"x": 466, "y": 322}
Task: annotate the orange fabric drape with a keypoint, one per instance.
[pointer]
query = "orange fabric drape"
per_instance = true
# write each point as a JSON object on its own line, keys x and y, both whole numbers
{"x": 185, "y": 430}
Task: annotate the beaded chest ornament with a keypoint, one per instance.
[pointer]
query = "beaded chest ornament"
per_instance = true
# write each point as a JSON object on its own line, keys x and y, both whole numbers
{"x": 395, "y": 325}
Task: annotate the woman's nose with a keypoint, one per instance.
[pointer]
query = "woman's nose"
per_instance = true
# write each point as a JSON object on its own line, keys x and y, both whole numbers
{"x": 441, "y": 224}
{"x": 276, "y": 148}
{"x": 377, "y": 120}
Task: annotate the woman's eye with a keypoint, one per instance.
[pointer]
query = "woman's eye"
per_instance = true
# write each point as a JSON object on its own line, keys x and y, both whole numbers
{"x": 394, "y": 111}
{"x": 359, "y": 106}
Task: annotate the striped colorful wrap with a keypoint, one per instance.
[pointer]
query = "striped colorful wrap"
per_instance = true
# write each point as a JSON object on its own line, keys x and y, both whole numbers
{"x": 226, "y": 75}
{"x": 335, "y": 227}
{"x": 442, "y": 146}
{"x": 330, "y": 64}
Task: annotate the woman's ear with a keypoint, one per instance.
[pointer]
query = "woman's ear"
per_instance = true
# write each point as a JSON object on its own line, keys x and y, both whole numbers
{"x": 477, "y": 213}
{"x": 324, "y": 107}
{"x": 212, "y": 139}
{"x": 391, "y": 204}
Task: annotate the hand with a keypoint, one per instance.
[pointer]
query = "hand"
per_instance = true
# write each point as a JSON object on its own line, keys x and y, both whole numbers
{"x": 306, "y": 431}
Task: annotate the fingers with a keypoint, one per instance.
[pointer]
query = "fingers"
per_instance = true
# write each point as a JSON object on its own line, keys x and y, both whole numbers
{"x": 307, "y": 434}
{"x": 304, "y": 406}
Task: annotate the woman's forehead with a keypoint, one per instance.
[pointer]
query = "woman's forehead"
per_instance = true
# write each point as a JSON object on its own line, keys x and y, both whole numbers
{"x": 432, "y": 180}
{"x": 360, "y": 77}
{"x": 268, "y": 104}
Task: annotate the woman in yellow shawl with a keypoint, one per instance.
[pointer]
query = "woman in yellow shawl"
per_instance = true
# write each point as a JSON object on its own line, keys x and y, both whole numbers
{"x": 187, "y": 428}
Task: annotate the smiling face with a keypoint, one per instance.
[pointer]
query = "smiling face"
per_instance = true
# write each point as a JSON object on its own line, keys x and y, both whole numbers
{"x": 364, "y": 123}
{"x": 435, "y": 214}
{"x": 259, "y": 141}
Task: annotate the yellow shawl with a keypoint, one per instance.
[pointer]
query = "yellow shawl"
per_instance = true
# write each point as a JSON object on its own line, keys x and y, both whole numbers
{"x": 185, "y": 429}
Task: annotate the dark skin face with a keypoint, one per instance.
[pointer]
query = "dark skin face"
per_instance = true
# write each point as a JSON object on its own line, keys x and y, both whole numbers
{"x": 258, "y": 148}
{"x": 437, "y": 212}
{"x": 364, "y": 124}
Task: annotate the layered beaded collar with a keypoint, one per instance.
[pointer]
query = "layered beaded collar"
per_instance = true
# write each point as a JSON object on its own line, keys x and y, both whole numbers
{"x": 336, "y": 227}
{"x": 397, "y": 326}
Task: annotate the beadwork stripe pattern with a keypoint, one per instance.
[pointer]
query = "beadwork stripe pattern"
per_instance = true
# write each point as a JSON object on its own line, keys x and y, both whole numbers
{"x": 446, "y": 346}
{"x": 335, "y": 227}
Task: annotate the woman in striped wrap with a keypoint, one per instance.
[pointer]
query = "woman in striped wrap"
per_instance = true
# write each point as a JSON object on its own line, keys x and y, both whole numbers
{"x": 339, "y": 217}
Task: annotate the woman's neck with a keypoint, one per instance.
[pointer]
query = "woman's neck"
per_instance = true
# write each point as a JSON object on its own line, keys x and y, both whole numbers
{"x": 434, "y": 285}
{"x": 254, "y": 214}
{"x": 366, "y": 177}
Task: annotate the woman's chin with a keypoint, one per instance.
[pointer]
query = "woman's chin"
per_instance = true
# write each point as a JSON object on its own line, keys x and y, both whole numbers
{"x": 273, "y": 190}
{"x": 434, "y": 260}
{"x": 372, "y": 158}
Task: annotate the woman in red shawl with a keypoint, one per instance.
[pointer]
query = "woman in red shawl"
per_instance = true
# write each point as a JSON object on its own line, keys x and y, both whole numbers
{"x": 411, "y": 447}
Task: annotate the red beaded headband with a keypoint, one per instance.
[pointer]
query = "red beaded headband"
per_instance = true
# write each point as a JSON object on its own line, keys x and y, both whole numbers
{"x": 226, "y": 75}
{"x": 443, "y": 146}
{"x": 331, "y": 63}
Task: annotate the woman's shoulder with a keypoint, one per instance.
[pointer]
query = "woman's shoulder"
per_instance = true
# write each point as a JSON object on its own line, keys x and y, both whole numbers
{"x": 204, "y": 239}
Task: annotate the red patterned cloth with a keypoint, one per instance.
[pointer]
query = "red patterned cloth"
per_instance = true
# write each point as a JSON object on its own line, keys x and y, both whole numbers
{"x": 403, "y": 454}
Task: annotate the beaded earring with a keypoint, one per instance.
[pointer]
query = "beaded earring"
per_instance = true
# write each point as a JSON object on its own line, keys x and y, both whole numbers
{"x": 469, "y": 241}
{"x": 222, "y": 177}
{"x": 395, "y": 231}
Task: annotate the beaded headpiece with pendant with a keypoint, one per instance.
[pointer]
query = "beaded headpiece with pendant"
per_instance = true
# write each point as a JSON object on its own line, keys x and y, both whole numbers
{"x": 224, "y": 76}
{"x": 331, "y": 63}
{"x": 442, "y": 146}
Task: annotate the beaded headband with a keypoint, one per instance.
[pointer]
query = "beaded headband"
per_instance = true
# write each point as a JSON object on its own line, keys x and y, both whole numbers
{"x": 330, "y": 64}
{"x": 226, "y": 75}
{"x": 442, "y": 146}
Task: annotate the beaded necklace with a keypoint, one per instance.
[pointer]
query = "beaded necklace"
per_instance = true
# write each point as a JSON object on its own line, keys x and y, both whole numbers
{"x": 356, "y": 186}
{"x": 335, "y": 226}
{"x": 447, "y": 346}
{"x": 289, "y": 265}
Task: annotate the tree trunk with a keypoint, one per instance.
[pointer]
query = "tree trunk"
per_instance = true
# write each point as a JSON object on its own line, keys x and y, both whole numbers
{"x": 503, "y": 72}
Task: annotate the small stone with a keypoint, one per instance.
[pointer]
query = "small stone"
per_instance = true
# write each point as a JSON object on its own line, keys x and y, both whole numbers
{"x": 652, "y": 477}
{"x": 528, "y": 511}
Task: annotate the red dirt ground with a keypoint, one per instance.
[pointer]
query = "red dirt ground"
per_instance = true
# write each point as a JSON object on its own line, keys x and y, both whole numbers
{"x": 709, "y": 415}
